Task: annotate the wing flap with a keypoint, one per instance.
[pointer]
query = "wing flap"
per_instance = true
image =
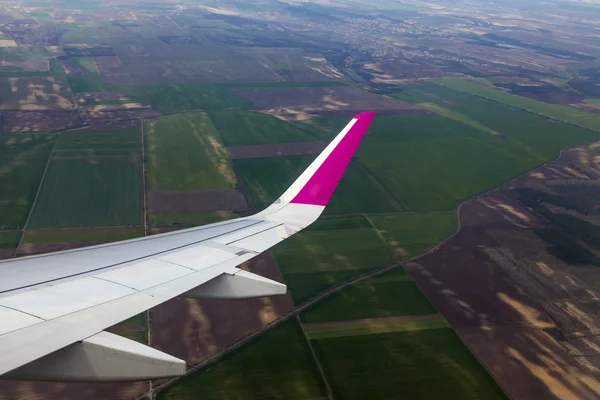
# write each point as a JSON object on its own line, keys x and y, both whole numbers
{"x": 102, "y": 357}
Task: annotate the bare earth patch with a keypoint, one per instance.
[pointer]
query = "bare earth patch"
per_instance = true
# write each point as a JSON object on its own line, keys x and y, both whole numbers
{"x": 7, "y": 253}
{"x": 40, "y": 121}
{"x": 102, "y": 119}
{"x": 276, "y": 149}
{"x": 195, "y": 201}
{"x": 304, "y": 103}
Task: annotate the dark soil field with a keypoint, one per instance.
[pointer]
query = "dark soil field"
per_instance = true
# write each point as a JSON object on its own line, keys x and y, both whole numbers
{"x": 7, "y": 253}
{"x": 274, "y": 150}
{"x": 39, "y": 121}
{"x": 195, "y": 201}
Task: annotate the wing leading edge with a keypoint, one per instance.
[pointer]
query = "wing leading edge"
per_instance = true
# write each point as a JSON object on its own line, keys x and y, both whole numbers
{"x": 55, "y": 307}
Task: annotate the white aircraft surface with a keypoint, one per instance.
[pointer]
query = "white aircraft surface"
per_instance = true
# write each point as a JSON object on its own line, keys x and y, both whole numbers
{"x": 54, "y": 307}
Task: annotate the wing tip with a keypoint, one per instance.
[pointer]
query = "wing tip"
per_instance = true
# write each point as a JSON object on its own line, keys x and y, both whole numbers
{"x": 323, "y": 182}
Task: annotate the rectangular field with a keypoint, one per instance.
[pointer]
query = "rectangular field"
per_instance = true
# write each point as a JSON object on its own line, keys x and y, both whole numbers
{"x": 276, "y": 365}
{"x": 37, "y": 93}
{"x": 334, "y": 251}
{"x": 425, "y": 364}
{"x": 412, "y": 234}
{"x": 247, "y": 128}
{"x": 562, "y": 113}
{"x": 94, "y": 179}
{"x": 104, "y": 234}
{"x": 375, "y": 326}
{"x": 185, "y": 152}
{"x": 393, "y": 294}
{"x": 22, "y": 162}
{"x": 521, "y": 132}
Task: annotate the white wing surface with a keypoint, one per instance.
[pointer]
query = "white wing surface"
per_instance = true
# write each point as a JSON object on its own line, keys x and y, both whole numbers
{"x": 55, "y": 307}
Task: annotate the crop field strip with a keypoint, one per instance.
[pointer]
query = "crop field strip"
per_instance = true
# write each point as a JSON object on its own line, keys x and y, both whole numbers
{"x": 93, "y": 179}
{"x": 23, "y": 159}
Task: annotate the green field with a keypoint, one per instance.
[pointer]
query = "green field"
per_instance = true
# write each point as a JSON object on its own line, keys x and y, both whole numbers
{"x": 93, "y": 179}
{"x": 103, "y": 234}
{"x": 178, "y": 98}
{"x": 426, "y": 364}
{"x": 434, "y": 163}
{"x": 334, "y": 251}
{"x": 369, "y": 327}
{"x": 592, "y": 101}
{"x": 412, "y": 234}
{"x": 23, "y": 159}
{"x": 10, "y": 239}
{"x": 87, "y": 63}
{"x": 277, "y": 365}
{"x": 562, "y": 113}
{"x": 186, "y": 220}
{"x": 185, "y": 152}
{"x": 88, "y": 83}
{"x": 247, "y": 128}
{"x": 393, "y": 294}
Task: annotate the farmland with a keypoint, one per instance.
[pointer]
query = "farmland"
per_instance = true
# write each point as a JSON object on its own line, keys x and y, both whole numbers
{"x": 236, "y": 98}
{"x": 35, "y": 93}
{"x": 22, "y": 163}
{"x": 555, "y": 111}
{"x": 245, "y": 128}
{"x": 103, "y": 234}
{"x": 412, "y": 234}
{"x": 186, "y": 152}
{"x": 374, "y": 326}
{"x": 392, "y": 294}
{"x": 277, "y": 365}
{"x": 445, "y": 368}
{"x": 93, "y": 179}
{"x": 332, "y": 252}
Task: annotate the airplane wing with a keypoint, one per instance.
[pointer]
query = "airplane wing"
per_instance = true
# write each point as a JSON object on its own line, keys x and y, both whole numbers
{"x": 55, "y": 307}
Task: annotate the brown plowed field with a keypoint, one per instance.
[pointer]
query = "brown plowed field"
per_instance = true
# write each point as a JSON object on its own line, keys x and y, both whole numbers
{"x": 40, "y": 121}
{"x": 196, "y": 329}
{"x": 7, "y": 253}
{"x": 276, "y": 149}
{"x": 195, "y": 201}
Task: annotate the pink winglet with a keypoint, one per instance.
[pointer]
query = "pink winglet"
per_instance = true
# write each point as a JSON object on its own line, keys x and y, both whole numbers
{"x": 320, "y": 187}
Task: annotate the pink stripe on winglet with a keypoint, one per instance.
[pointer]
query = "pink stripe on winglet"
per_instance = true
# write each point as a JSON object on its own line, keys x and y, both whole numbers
{"x": 320, "y": 187}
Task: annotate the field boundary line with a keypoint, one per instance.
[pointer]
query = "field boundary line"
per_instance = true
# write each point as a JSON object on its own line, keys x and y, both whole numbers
{"x": 37, "y": 194}
{"x": 340, "y": 286}
{"x": 317, "y": 362}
